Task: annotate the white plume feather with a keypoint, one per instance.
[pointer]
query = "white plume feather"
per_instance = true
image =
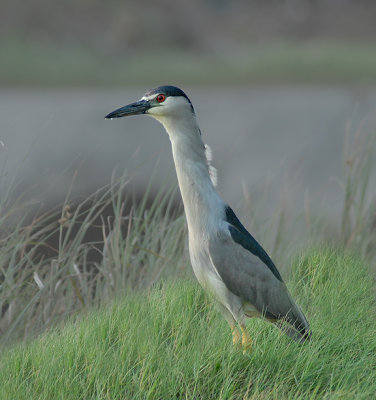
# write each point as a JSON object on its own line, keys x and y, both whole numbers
{"x": 212, "y": 170}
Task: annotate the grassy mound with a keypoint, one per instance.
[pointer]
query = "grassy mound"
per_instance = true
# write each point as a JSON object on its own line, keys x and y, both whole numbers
{"x": 170, "y": 342}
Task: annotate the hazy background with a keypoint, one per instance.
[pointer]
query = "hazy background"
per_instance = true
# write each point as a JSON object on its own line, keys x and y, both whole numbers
{"x": 281, "y": 90}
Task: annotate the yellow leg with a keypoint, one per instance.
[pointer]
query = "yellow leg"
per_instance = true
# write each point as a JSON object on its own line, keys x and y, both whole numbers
{"x": 236, "y": 337}
{"x": 246, "y": 339}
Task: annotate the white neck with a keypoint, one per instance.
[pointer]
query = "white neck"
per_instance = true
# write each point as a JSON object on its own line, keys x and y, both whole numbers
{"x": 202, "y": 204}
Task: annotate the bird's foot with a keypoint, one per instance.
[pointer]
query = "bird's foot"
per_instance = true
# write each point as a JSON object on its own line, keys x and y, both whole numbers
{"x": 246, "y": 340}
{"x": 236, "y": 336}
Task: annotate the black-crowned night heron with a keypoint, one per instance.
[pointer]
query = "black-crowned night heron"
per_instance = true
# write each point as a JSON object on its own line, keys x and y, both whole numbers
{"x": 227, "y": 261}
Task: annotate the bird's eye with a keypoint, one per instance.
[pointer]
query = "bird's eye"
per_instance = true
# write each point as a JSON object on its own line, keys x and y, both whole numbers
{"x": 161, "y": 98}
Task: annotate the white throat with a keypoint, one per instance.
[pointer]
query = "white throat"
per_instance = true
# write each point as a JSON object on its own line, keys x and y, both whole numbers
{"x": 202, "y": 204}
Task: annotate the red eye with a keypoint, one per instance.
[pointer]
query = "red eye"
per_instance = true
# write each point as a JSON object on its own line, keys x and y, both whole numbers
{"x": 161, "y": 98}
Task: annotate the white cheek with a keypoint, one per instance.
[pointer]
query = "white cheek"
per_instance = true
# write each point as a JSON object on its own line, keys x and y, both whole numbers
{"x": 168, "y": 107}
{"x": 172, "y": 107}
{"x": 156, "y": 111}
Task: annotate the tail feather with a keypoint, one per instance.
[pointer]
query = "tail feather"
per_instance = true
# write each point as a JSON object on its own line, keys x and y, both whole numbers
{"x": 295, "y": 325}
{"x": 293, "y": 333}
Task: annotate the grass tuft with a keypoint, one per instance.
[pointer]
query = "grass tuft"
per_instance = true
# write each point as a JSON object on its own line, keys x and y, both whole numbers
{"x": 82, "y": 254}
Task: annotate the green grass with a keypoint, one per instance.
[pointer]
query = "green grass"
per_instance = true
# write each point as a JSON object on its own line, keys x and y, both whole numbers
{"x": 27, "y": 63}
{"x": 170, "y": 342}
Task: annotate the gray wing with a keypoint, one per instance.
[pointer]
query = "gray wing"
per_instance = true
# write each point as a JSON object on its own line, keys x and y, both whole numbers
{"x": 250, "y": 278}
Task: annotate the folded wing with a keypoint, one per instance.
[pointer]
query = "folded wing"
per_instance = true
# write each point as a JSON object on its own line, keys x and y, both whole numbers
{"x": 248, "y": 272}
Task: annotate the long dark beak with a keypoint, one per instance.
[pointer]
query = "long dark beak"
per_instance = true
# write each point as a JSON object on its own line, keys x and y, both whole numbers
{"x": 139, "y": 107}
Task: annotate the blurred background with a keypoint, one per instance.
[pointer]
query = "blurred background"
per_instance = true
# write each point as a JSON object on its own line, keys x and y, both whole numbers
{"x": 281, "y": 90}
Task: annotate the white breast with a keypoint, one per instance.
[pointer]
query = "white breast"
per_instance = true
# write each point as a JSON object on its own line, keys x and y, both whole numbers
{"x": 206, "y": 273}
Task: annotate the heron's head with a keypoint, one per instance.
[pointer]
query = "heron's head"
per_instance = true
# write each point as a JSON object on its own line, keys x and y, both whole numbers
{"x": 163, "y": 103}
